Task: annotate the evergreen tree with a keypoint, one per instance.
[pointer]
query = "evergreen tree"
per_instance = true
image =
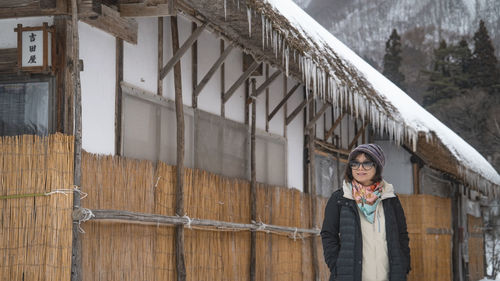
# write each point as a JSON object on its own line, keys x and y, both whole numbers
{"x": 392, "y": 60}
{"x": 441, "y": 84}
{"x": 484, "y": 62}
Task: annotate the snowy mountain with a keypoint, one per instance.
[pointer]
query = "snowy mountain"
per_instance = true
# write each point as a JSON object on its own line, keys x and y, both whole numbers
{"x": 365, "y": 25}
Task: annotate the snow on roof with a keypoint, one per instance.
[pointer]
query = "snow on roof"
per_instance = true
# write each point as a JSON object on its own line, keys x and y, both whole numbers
{"x": 407, "y": 118}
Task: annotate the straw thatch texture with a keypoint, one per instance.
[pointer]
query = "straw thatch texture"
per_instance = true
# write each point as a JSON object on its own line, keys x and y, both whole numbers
{"x": 476, "y": 248}
{"x": 36, "y": 230}
{"x": 429, "y": 227}
{"x": 119, "y": 251}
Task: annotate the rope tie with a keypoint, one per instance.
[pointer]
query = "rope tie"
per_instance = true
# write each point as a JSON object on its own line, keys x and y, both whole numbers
{"x": 189, "y": 220}
{"x": 85, "y": 215}
{"x": 294, "y": 236}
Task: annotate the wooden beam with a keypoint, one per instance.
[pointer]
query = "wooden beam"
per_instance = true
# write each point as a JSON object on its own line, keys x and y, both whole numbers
{"x": 179, "y": 190}
{"x": 123, "y": 216}
{"x": 317, "y": 116}
{"x": 283, "y": 101}
{"x": 181, "y": 51}
{"x": 266, "y": 84}
{"x": 353, "y": 142}
{"x": 312, "y": 183}
{"x": 253, "y": 190}
{"x": 297, "y": 110}
{"x": 285, "y": 94}
{"x": 213, "y": 69}
{"x": 334, "y": 126}
{"x": 118, "y": 96}
{"x": 143, "y": 10}
{"x": 110, "y": 21}
{"x": 31, "y": 8}
{"x": 416, "y": 180}
{"x": 240, "y": 80}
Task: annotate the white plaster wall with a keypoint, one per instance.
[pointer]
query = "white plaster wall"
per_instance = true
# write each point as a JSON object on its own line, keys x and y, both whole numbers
{"x": 8, "y": 37}
{"x": 398, "y": 168}
{"x": 295, "y": 141}
{"x": 140, "y": 61}
{"x": 235, "y": 106}
{"x": 97, "y": 50}
{"x": 208, "y": 52}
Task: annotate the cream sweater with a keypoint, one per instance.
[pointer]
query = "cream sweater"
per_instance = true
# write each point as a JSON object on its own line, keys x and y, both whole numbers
{"x": 375, "y": 256}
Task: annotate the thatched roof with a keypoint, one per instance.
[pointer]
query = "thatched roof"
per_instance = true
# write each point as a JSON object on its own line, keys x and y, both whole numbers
{"x": 280, "y": 33}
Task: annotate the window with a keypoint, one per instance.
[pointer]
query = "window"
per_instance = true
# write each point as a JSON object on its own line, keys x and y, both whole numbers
{"x": 212, "y": 143}
{"x": 329, "y": 174}
{"x": 26, "y": 107}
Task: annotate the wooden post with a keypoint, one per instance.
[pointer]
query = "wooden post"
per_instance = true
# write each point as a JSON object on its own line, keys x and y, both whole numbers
{"x": 312, "y": 188}
{"x": 285, "y": 107}
{"x": 118, "y": 96}
{"x": 76, "y": 261}
{"x": 222, "y": 82}
{"x": 247, "y": 95}
{"x": 253, "y": 192}
{"x": 194, "y": 67}
{"x": 160, "y": 56}
{"x": 267, "y": 99}
{"x": 179, "y": 191}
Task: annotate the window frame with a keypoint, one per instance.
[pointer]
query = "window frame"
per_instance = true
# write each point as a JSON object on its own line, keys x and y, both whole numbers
{"x": 38, "y": 78}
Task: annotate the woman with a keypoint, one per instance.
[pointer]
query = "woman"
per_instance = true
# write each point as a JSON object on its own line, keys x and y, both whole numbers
{"x": 364, "y": 231}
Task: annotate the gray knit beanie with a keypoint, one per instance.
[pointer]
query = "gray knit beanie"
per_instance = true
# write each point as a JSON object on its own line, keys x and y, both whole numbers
{"x": 374, "y": 150}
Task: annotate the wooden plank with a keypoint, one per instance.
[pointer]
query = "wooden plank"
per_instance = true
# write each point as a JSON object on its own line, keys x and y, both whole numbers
{"x": 213, "y": 69}
{"x": 179, "y": 190}
{"x": 110, "y": 21}
{"x": 317, "y": 116}
{"x": 284, "y": 100}
{"x": 334, "y": 126}
{"x": 267, "y": 83}
{"x": 297, "y": 110}
{"x": 240, "y": 81}
{"x": 76, "y": 261}
{"x": 253, "y": 189}
{"x": 28, "y": 8}
{"x": 118, "y": 96}
{"x": 48, "y": 4}
{"x": 353, "y": 142}
{"x": 136, "y": 10}
{"x": 8, "y": 60}
{"x": 181, "y": 51}
{"x": 194, "y": 68}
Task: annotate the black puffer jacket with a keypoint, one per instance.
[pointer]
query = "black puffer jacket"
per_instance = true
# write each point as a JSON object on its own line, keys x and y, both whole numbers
{"x": 342, "y": 240}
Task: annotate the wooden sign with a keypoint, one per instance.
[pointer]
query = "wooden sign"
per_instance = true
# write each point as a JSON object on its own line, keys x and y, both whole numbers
{"x": 35, "y": 50}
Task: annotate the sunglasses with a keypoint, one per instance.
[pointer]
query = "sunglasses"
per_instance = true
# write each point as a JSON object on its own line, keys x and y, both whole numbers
{"x": 366, "y": 165}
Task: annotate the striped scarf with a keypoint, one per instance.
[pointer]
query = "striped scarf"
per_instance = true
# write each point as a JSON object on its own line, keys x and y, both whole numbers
{"x": 367, "y": 198}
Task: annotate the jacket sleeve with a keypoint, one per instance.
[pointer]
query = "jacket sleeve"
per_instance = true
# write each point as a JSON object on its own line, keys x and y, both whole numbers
{"x": 330, "y": 232}
{"x": 404, "y": 240}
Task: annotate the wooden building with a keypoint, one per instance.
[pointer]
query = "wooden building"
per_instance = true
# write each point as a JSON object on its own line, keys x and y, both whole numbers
{"x": 233, "y": 106}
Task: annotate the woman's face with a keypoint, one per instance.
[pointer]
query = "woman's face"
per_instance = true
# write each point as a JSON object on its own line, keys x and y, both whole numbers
{"x": 362, "y": 175}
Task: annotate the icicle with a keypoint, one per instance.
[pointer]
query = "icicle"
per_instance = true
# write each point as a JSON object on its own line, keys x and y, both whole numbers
{"x": 238, "y": 4}
{"x": 249, "y": 16}
{"x": 287, "y": 61}
{"x": 263, "y": 20}
{"x": 225, "y": 9}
